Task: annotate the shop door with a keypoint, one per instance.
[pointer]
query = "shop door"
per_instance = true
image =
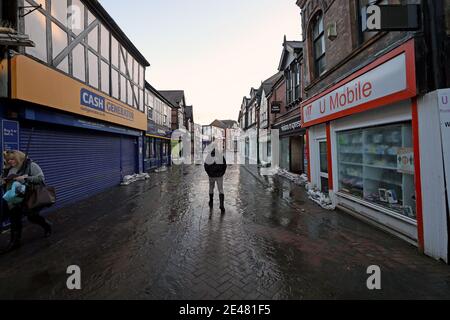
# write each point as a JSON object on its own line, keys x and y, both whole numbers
{"x": 297, "y": 155}
{"x": 323, "y": 159}
{"x": 284, "y": 154}
{"x": 158, "y": 152}
{"x": 129, "y": 155}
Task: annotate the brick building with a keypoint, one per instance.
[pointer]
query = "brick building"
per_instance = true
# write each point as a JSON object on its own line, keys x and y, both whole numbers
{"x": 371, "y": 106}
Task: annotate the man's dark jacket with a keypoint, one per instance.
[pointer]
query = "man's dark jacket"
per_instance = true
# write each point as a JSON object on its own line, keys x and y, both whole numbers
{"x": 213, "y": 169}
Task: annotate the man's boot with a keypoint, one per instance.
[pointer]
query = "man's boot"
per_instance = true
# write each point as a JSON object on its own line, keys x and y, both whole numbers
{"x": 14, "y": 243}
{"x": 211, "y": 200}
{"x": 41, "y": 221}
{"x": 222, "y": 200}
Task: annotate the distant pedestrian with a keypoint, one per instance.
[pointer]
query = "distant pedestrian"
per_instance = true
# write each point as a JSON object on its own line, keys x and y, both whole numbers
{"x": 215, "y": 167}
{"x": 20, "y": 171}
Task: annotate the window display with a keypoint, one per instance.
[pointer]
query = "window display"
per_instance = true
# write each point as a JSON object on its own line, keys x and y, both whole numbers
{"x": 377, "y": 165}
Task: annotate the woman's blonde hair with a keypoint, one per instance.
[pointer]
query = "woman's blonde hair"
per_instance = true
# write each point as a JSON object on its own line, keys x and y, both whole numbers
{"x": 17, "y": 155}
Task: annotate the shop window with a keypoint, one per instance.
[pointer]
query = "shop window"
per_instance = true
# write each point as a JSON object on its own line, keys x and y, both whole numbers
{"x": 59, "y": 40}
{"x": 318, "y": 44}
{"x": 115, "y": 83}
{"x": 79, "y": 61}
{"x": 59, "y": 11}
{"x": 105, "y": 77}
{"x": 284, "y": 154}
{"x": 35, "y": 28}
{"x": 377, "y": 165}
{"x": 93, "y": 69}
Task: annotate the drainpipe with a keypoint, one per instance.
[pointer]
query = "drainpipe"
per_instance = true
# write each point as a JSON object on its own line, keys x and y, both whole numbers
{"x": 433, "y": 15}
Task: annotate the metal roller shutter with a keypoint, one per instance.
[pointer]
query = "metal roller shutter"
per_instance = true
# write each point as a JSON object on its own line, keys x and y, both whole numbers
{"x": 77, "y": 162}
{"x": 128, "y": 155}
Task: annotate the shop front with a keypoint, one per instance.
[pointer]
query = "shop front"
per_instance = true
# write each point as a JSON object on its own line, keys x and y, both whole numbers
{"x": 157, "y": 147}
{"x": 364, "y": 146}
{"x": 292, "y": 145}
{"x": 84, "y": 141}
{"x": 265, "y": 148}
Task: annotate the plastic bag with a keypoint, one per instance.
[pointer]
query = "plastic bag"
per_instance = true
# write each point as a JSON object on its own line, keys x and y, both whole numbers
{"x": 16, "y": 194}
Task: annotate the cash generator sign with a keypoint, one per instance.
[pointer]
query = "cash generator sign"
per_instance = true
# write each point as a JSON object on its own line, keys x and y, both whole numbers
{"x": 386, "y": 79}
{"x": 100, "y": 104}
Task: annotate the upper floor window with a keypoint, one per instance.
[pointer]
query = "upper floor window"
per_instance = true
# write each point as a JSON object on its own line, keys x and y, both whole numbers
{"x": 318, "y": 44}
{"x": 150, "y": 113}
{"x": 288, "y": 86}
{"x": 78, "y": 44}
{"x": 297, "y": 81}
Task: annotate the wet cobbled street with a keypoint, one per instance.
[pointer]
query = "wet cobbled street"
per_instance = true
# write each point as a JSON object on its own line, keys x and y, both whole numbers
{"x": 157, "y": 239}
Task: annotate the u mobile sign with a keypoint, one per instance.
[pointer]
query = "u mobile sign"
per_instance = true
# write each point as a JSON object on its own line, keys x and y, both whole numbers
{"x": 390, "y": 18}
{"x": 384, "y": 82}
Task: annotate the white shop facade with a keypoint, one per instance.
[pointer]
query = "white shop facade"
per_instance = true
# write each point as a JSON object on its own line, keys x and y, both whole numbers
{"x": 365, "y": 137}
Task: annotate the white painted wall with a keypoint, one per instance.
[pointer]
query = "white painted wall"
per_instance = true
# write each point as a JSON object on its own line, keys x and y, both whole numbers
{"x": 264, "y": 111}
{"x": 432, "y": 174}
{"x": 316, "y": 133}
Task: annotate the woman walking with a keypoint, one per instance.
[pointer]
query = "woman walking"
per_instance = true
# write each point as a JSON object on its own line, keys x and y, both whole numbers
{"x": 19, "y": 168}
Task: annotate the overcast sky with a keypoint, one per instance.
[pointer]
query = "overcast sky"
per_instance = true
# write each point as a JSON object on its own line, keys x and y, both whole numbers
{"x": 214, "y": 50}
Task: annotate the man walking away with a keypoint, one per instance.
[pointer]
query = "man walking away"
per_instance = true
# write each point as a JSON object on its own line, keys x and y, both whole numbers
{"x": 215, "y": 167}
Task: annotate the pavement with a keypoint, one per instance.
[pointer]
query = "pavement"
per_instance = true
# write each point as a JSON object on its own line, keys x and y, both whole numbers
{"x": 157, "y": 239}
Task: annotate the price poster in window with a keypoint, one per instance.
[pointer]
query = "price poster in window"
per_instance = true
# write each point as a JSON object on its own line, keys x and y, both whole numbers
{"x": 405, "y": 160}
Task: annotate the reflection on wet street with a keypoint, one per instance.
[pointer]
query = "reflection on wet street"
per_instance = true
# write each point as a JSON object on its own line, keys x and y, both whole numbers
{"x": 158, "y": 240}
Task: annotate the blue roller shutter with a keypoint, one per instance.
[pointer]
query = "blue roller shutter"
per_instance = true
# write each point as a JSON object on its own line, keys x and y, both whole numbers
{"x": 129, "y": 155}
{"x": 77, "y": 162}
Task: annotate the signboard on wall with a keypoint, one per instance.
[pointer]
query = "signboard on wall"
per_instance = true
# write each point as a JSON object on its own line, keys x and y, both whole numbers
{"x": 388, "y": 79}
{"x": 10, "y": 135}
{"x": 276, "y": 107}
{"x": 444, "y": 108}
{"x": 67, "y": 94}
{"x": 390, "y": 17}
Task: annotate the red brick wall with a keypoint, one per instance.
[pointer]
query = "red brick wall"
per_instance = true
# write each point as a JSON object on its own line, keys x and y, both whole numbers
{"x": 279, "y": 94}
{"x": 345, "y": 54}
